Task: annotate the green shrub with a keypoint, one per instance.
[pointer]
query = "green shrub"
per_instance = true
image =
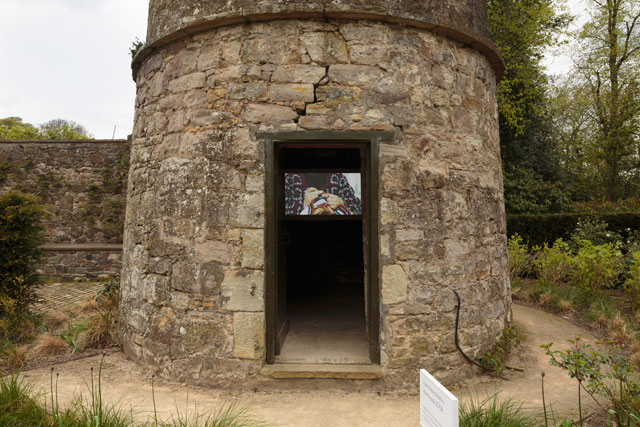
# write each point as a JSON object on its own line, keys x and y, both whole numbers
{"x": 519, "y": 259}
{"x": 594, "y": 230}
{"x": 596, "y": 267}
{"x": 21, "y": 237}
{"x": 606, "y": 373}
{"x": 538, "y": 229}
{"x": 632, "y": 284}
{"x": 553, "y": 264}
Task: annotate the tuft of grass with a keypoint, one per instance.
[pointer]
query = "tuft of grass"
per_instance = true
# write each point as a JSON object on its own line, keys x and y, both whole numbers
{"x": 55, "y": 319}
{"x": 12, "y": 356}
{"x": 50, "y": 345}
{"x": 492, "y": 412}
{"x": 100, "y": 332}
{"x": 564, "y": 304}
{"x": 621, "y": 332}
{"x": 19, "y": 404}
{"x": 227, "y": 416}
{"x": 546, "y": 299}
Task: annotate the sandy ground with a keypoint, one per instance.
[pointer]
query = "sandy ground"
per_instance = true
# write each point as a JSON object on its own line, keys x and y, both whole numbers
{"x": 129, "y": 386}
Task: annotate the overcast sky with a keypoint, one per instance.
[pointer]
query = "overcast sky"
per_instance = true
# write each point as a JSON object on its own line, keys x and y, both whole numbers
{"x": 69, "y": 59}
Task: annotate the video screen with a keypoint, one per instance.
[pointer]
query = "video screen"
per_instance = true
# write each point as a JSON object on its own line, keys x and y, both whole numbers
{"x": 330, "y": 193}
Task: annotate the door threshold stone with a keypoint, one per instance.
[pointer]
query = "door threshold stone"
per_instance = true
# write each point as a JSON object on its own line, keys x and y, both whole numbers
{"x": 312, "y": 370}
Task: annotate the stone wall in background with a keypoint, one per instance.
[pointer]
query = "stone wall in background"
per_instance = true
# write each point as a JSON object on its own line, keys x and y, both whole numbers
{"x": 83, "y": 185}
{"x": 67, "y": 262}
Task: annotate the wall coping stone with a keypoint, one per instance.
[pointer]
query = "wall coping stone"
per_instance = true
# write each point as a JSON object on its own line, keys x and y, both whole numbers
{"x": 63, "y": 141}
{"x": 234, "y": 16}
{"x": 77, "y": 247}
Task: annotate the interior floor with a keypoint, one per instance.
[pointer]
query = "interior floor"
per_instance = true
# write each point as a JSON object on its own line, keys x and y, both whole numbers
{"x": 325, "y": 294}
{"x": 327, "y": 330}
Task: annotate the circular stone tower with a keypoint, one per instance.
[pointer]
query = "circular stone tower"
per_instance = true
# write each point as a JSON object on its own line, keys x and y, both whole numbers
{"x": 234, "y": 98}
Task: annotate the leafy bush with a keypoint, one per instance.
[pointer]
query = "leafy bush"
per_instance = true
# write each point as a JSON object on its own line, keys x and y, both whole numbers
{"x": 594, "y": 230}
{"x": 632, "y": 284}
{"x": 596, "y": 267}
{"x": 538, "y": 229}
{"x": 21, "y": 237}
{"x": 606, "y": 373}
{"x": 519, "y": 259}
{"x": 553, "y": 264}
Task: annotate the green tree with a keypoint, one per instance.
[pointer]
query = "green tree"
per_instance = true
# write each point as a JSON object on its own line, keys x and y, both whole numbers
{"x": 606, "y": 79}
{"x": 63, "y": 129}
{"x": 522, "y": 30}
{"x": 15, "y": 128}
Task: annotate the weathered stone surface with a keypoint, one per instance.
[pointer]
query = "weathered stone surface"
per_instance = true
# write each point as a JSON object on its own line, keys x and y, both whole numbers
{"x": 356, "y": 75}
{"x": 253, "y": 248}
{"x": 213, "y": 250}
{"x": 258, "y": 113}
{"x": 394, "y": 284}
{"x": 314, "y": 122}
{"x": 188, "y": 82}
{"x": 291, "y": 92}
{"x": 248, "y": 335}
{"x": 243, "y": 290}
{"x": 298, "y": 74}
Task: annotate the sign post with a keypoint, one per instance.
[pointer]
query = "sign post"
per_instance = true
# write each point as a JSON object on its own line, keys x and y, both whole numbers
{"x": 438, "y": 407}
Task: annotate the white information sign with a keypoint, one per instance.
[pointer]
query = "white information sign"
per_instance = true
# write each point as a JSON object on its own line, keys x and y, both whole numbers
{"x": 438, "y": 407}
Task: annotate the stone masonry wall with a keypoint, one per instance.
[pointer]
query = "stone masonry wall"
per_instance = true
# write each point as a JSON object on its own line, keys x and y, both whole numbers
{"x": 70, "y": 262}
{"x": 193, "y": 280}
{"x": 83, "y": 185}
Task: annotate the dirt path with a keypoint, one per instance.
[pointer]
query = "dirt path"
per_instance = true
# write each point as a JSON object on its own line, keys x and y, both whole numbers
{"x": 129, "y": 386}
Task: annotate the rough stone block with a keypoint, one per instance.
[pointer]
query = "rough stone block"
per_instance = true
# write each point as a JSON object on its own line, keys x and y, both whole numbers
{"x": 184, "y": 277}
{"x": 188, "y": 82}
{"x": 359, "y": 75}
{"x": 314, "y": 122}
{"x": 248, "y": 335}
{"x": 325, "y": 47}
{"x": 247, "y": 211}
{"x": 291, "y": 92}
{"x": 298, "y": 74}
{"x": 243, "y": 290}
{"x": 394, "y": 284}
{"x": 253, "y": 248}
{"x": 267, "y": 113}
{"x": 214, "y": 250}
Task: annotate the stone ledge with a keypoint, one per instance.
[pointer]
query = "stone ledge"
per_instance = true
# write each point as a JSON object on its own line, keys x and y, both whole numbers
{"x": 63, "y": 141}
{"x": 172, "y": 33}
{"x": 77, "y": 247}
{"x": 326, "y": 371}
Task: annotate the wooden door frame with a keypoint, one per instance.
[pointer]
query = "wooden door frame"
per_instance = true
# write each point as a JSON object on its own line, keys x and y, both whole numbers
{"x": 372, "y": 140}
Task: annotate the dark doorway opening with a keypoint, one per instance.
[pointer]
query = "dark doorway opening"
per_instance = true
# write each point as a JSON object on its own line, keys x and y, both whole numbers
{"x": 321, "y": 262}
{"x": 325, "y": 294}
{"x": 322, "y": 302}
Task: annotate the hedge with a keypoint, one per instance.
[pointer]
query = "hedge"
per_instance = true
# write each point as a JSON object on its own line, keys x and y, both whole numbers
{"x": 539, "y": 228}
